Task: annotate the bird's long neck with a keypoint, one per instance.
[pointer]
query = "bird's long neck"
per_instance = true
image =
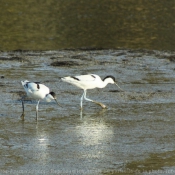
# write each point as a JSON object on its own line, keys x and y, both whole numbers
{"x": 103, "y": 84}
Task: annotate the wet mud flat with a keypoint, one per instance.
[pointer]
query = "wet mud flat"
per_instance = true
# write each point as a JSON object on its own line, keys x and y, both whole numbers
{"x": 134, "y": 135}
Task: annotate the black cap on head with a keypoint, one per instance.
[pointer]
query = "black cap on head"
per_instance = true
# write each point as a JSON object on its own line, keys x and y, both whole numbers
{"x": 53, "y": 94}
{"x": 109, "y": 76}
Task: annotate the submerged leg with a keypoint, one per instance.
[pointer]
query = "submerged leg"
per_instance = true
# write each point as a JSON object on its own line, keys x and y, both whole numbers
{"x": 22, "y": 115}
{"x": 81, "y": 101}
{"x": 98, "y": 103}
{"x": 37, "y": 110}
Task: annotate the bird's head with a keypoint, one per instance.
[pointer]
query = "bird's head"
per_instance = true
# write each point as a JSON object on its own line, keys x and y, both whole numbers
{"x": 51, "y": 96}
{"x": 111, "y": 79}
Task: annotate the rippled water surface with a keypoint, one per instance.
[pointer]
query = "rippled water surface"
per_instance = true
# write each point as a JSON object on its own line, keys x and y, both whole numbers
{"x": 134, "y": 135}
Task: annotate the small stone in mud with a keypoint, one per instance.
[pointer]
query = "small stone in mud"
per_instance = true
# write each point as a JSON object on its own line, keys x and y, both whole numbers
{"x": 125, "y": 60}
{"x": 2, "y": 76}
{"x": 64, "y": 63}
{"x": 114, "y": 91}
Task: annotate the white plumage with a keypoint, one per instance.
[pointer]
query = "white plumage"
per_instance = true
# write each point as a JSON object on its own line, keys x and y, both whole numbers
{"x": 38, "y": 91}
{"x": 89, "y": 81}
{"x": 35, "y": 90}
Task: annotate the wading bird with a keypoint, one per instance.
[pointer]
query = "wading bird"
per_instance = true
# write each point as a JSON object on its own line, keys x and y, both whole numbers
{"x": 90, "y": 81}
{"x": 38, "y": 91}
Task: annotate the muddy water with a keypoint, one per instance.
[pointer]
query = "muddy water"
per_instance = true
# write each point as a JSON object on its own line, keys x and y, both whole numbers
{"x": 134, "y": 135}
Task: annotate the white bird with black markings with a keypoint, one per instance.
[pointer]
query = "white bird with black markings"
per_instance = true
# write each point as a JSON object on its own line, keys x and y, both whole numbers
{"x": 38, "y": 91}
{"x": 89, "y": 81}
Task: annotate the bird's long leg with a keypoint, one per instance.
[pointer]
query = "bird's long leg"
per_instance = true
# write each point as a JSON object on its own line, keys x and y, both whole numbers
{"x": 37, "y": 110}
{"x": 98, "y": 103}
{"x": 22, "y": 106}
{"x": 81, "y": 101}
{"x": 22, "y": 115}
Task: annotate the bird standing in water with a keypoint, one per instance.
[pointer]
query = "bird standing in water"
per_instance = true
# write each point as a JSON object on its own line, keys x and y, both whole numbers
{"x": 37, "y": 91}
{"x": 89, "y": 81}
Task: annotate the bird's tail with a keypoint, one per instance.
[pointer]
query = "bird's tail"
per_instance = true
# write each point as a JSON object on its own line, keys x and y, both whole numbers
{"x": 69, "y": 79}
{"x": 24, "y": 82}
{"x": 66, "y": 79}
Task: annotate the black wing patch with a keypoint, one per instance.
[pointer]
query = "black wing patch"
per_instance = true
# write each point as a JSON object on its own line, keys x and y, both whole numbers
{"x": 37, "y": 84}
{"x": 93, "y": 76}
{"x": 75, "y": 78}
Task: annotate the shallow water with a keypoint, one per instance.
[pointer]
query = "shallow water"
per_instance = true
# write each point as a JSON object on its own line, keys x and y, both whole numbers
{"x": 134, "y": 135}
